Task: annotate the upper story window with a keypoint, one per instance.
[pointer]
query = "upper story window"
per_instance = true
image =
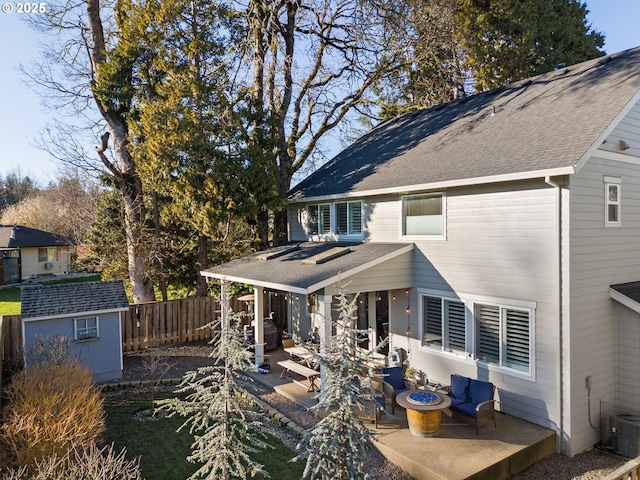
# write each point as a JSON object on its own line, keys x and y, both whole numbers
{"x": 423, "y": 215}
{"x": 612, "y": 191}
{"x": 349, "y": 218}
{"x": 86, "y": 328}
{"x": 47, "y": 254}
{"x": 343, "y": 218}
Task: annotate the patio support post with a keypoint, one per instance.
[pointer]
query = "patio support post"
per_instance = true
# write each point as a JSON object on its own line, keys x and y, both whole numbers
{"x": 258, "y": 295}
{"x": 323, "y": 323}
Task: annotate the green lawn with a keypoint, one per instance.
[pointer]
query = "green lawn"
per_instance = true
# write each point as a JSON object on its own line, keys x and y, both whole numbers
{"x": 163, "y": 451}
{"x": 10, "y": 296}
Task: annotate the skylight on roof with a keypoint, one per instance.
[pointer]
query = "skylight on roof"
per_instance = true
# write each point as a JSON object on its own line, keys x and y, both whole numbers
{"x": 278, "y": 252}
{"x": 327, "y": 255}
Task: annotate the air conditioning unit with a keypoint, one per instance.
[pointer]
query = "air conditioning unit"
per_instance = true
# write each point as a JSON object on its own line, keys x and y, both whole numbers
{"x": 48, "y": 265}
{"x": 626, "y": 434}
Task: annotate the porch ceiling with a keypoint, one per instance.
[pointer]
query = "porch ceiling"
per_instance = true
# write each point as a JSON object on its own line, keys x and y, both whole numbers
{"x": 289, "y": 272}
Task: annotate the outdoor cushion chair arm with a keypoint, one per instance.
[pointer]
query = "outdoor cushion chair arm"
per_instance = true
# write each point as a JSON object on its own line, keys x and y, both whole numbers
{"x": 485, "y": 408}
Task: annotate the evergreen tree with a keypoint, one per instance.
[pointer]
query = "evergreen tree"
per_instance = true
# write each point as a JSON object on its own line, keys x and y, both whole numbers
{"x": 510, "y": 40}
{"x": 337, "y": 446}
{"x": 224, "y": 435}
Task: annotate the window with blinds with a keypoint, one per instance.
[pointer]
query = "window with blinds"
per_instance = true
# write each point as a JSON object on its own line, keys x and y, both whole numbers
{"x": 344, "y": 218}
{"x": 444, "y": 324}
{"x": 503, "y": 336}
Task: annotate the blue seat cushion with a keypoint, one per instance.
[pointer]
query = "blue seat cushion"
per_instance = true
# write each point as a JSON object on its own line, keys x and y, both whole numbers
{"x": 469, "y": 409}
{"x": 460, "y": 388}
{"x": 480, "y": 391}
{"x": 394, "y": 376}
{"x": 457, "y": 401}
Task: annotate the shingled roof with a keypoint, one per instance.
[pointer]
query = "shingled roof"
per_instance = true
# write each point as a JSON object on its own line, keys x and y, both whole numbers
{"x": 29, "y": 237}
{"x": 537, "y": 127}
{"x": 41, "y": 301}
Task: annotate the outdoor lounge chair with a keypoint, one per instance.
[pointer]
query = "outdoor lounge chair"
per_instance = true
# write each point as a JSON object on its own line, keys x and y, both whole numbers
{"x": 472, "y": 401}
{"x": 393, "y": 383}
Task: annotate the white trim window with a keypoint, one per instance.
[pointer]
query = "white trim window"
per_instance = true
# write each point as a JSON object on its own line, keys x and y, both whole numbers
{"x": 339, "y": 219}
{"x": 612, "y": 196}
{"x": 86, "y": 328}
{"x": 503, "y": 336}
{"x": 444, "y": 324}
{"x": 469, "y": 326}
{"x": 349, "y": 218}
{"x": 423, "y": 215}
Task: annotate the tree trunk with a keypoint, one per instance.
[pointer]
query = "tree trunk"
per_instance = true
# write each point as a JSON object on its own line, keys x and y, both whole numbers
{"x": 203, "y": 264}
{"x": 125, "y": 173}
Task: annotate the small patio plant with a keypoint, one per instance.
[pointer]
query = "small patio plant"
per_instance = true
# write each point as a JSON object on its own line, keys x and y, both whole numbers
{"x": 224, "y": 436}
{"x": 336, "y": 448}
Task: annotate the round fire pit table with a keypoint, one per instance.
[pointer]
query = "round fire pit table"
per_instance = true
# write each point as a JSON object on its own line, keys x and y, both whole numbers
{"x": 424, "y": 410}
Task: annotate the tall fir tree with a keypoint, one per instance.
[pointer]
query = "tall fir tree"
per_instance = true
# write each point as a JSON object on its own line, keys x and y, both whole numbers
{"x": 337, "y": 447}
{"x": 224, "y": 436}
{"x": 510, "y": 40}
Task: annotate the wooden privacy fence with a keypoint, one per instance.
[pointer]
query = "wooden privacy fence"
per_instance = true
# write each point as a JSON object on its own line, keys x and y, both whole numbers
{"x": 148, "y": 325}
{"x": 144, "y": 326}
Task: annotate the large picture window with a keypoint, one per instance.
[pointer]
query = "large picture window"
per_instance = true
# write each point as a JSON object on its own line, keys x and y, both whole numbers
{"x": 423, "y": 215}
{"x": 86, "y": 328}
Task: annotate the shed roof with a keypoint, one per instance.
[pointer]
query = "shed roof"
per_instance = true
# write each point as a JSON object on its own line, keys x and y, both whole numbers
{"x": 537, "y": 127}
{"x": 300, "y": 267}
{"x": 29, "y": 237}
{"x": 43, "y": 301}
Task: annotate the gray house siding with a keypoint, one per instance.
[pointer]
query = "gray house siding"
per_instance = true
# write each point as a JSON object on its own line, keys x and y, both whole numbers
{"x": 501, "y": 244}
{"x": 600, "y": 256}
{"x": 102, "y": 355}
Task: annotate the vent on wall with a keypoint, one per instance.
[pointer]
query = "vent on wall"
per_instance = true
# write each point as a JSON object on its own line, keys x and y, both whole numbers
{"x": 48, "y": 265}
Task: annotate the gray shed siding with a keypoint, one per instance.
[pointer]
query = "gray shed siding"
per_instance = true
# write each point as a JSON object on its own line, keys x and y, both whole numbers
{"x": 600, "y": 256}
{"x": 103, "y": 355}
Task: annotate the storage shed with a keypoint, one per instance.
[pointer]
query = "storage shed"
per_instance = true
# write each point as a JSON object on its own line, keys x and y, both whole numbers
{"x": 87, "y": 314}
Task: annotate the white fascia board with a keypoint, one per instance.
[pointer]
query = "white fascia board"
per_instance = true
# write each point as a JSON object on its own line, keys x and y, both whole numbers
{"x": 624, "y": 300}
{"x": 75, "y": 314}
{"x": 465, "y": 182}
{"x": 592, "y": 151}
{"x": 358, "y": 269}
{"x": 255, "y": 283}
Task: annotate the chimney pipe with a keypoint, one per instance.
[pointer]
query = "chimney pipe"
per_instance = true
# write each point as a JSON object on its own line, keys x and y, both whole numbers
{"x": 13, "y": 232}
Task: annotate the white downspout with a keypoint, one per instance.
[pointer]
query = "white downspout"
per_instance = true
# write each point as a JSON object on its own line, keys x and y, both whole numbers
{"x": 555, "y": 185}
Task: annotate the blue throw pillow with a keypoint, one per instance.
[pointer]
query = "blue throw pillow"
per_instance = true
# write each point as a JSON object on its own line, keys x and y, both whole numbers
{"x": 394, "y": 376}
{"x": 460, "y": 387}
{"x": 480, "y": 391}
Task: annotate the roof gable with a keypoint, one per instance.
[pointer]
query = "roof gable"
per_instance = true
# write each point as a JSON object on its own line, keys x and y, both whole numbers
{"x": 16, "y": 236}
{"x": 544, "y": 124}
{"x": 40, "y": 301}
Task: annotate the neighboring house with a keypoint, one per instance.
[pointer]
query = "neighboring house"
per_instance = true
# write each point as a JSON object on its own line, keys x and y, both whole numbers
{"x": 27, "y": 252}
{"x": 485, "y": 236}
{"x": 86, "y": 313}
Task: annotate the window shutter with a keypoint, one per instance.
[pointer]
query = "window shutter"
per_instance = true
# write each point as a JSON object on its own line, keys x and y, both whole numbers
{"x": 312, "y": 221}
{"x": 432, "y": 312}
{"x": 325, "y": 219}
{"x": 355, "y": 213}
{"x": 488, "y": 332}
{"x": 517, "y": 339}
{"x": 341, "y": 213}
{"x": 456, "y": 326}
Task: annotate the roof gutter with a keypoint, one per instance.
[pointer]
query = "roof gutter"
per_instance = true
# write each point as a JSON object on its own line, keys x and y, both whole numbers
{"x": 464, "y": 182}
